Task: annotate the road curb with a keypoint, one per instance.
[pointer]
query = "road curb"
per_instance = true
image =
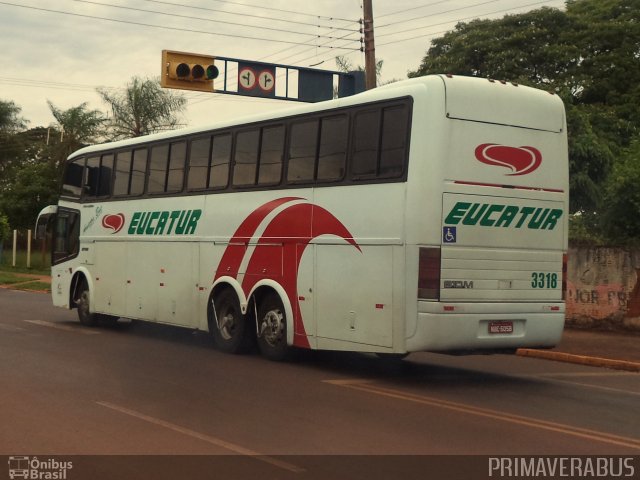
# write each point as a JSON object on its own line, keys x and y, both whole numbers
{"x": 580, "y": 359}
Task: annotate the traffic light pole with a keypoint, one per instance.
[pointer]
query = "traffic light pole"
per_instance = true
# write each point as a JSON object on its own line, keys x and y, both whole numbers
{"x": 369, "y": 46}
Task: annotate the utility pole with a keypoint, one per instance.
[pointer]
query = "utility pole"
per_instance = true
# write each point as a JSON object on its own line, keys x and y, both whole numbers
{"x": 369, "y": 46}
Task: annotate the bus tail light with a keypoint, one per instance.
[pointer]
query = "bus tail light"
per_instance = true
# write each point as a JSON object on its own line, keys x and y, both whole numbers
{"x": 564, "y": 276}
{"x": 429, "y": 273}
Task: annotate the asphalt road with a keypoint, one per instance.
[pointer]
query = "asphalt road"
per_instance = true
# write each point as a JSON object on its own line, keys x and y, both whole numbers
{"x": 157, "y": 390}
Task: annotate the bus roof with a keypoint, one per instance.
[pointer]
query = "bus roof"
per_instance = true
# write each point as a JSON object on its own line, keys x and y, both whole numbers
{"x": 465, "y": 88}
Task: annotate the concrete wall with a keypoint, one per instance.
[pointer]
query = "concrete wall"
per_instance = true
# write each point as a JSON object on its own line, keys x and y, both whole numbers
{"x": 603, "y": 290}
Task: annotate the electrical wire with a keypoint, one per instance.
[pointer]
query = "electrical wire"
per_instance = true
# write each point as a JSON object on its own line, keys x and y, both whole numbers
{"x": 378, "y": 17}
{"x": 456, "y": 21}
{"x": 253, "y": 6}
{"x": 175, "y": 15}
{"x": 251, "y": 15}
{"x": 435, "y": 14}
{"x": 246, "y": 37}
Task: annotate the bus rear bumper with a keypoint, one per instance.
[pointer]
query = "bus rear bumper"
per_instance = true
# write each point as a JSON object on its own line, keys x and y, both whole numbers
{"x": 490, "y": 328}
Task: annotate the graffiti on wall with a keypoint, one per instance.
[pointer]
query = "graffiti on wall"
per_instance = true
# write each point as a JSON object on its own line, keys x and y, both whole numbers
{"x": 601, "y": 301}
{"x": 602, "y": 284}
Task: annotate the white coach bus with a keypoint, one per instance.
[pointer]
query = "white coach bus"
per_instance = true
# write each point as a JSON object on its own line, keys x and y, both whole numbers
{"x": 426, "y": 215}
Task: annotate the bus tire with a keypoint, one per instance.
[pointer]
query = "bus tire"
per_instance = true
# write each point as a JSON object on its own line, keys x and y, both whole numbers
{"x": 85, "y": 316}
{"x": 227, "y": 325}
{"x": 272, "y": 328}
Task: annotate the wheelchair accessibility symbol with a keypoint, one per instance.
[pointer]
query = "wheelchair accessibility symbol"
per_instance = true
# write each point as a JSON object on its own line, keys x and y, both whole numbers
{"x": 449, "y": 235}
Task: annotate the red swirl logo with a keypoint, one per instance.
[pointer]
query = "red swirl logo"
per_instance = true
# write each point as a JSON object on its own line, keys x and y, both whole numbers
{"x": 113, "y": 222}
{"x": 520, "y": 160}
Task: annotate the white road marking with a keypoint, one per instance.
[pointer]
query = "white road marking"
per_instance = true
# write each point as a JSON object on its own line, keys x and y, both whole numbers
{"x": 206, "y": 438}
{"x": 593, "y": 435}
{"x": 10, "y": 328}
{"x": 66, "y": 328}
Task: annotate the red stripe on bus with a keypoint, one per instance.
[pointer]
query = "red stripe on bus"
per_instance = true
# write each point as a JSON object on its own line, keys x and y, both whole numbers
{"x": 515, "y": 187}
{"x": 293, "y": 228}
{"x": 234, "y": 253}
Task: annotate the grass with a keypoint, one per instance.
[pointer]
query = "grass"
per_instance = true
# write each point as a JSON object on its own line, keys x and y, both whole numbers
{"x": 35, "y": 285}
{"x": 21, "y": 281}
{"x": 38, "y": 267}
{"x": 10, "y": 278}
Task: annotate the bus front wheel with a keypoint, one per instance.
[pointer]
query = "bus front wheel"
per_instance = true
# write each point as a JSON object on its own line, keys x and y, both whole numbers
{"x": 272, "y": 328}
{"x": 86, "y": 317}
{"x": 227, "y": 324}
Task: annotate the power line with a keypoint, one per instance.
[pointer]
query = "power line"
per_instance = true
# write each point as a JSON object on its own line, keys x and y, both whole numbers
{"x": 263, "y": 17}
{"x": 246, "y": 37}
{"x": 255, "y": 6}
{"x": 23, "y": 82}
{"x": 294, "y": 46}
{"x": 378, "y": 17}
{"x": 455, "y": 21}
{"x": 434, "y": 14}
{"x": 175, "y": 15}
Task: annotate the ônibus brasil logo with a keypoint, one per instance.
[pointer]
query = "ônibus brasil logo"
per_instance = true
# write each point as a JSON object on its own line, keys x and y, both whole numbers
{"x": 520, "y": 160}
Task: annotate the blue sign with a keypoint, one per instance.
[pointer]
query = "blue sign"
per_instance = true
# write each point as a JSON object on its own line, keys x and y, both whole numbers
{"x": 449, "y": 235}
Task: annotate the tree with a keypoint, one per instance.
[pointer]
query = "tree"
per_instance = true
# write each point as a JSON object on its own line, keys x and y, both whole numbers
{"x": 78, "y": 127}
{"x": 143, "y": 108}
{"x": 623, "y": 198}
{"x": 34, "y": 186}
{"x": 588, "y": 54}
{"x": 10, "y": 121}
{"x": 10, "y": 144}
{"x": 345, "y": 65}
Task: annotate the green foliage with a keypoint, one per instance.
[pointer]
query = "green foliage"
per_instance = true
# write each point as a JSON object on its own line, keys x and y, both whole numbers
{"x": 620, "y": 219}
{"x": 590, "y": 56}
{"x": 34, "y": 186}
{"x": 143, "y": 108}
{"x": 78, "y": 127}
{"x": 5, "y": 229}
{"x": 10, "y": 120}
{"x": 10, "y": 143}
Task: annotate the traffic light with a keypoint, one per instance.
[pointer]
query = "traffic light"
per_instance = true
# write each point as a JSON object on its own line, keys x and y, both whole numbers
{"x": 188, "y": 71}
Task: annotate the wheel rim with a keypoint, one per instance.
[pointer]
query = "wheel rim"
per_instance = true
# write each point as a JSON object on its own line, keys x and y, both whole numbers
{"x": 227, "y": 323}
{"x": 272, "y": 327}
{"x": 83, "y": 304}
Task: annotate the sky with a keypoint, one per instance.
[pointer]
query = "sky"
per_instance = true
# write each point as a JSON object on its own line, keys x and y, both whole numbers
{"x": 61, "y": 50}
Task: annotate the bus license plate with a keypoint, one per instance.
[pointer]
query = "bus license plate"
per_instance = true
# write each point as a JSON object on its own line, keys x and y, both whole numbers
{"x": 501, "y": 327}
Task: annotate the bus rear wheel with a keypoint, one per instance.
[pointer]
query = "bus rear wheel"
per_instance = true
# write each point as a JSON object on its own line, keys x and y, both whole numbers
{"x": 227, "y": 324}
{"x": 272, "y": 328}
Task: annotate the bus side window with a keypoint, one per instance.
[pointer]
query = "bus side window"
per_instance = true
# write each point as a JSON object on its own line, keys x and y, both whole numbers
{"x": 393, "y": 143}
{"x": 106, "y": 174}
{"x": 303, "y": 148}
{"x": 158, "y": 168}
{"x": 122, "y": 173}
{"x": 333, "y": 148}
{"x": 73, "y": 175}
{"x": 199, "y": 163}
{"x": 271, "y": 154}
{"x": 246, "y": 158}
{"x": 175, "y": 175}
{"x": 220, "y": 158}
{"x": 364, "y": 160}
{"x": 138, "y": 171}
{"x": 92, "y": 177}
